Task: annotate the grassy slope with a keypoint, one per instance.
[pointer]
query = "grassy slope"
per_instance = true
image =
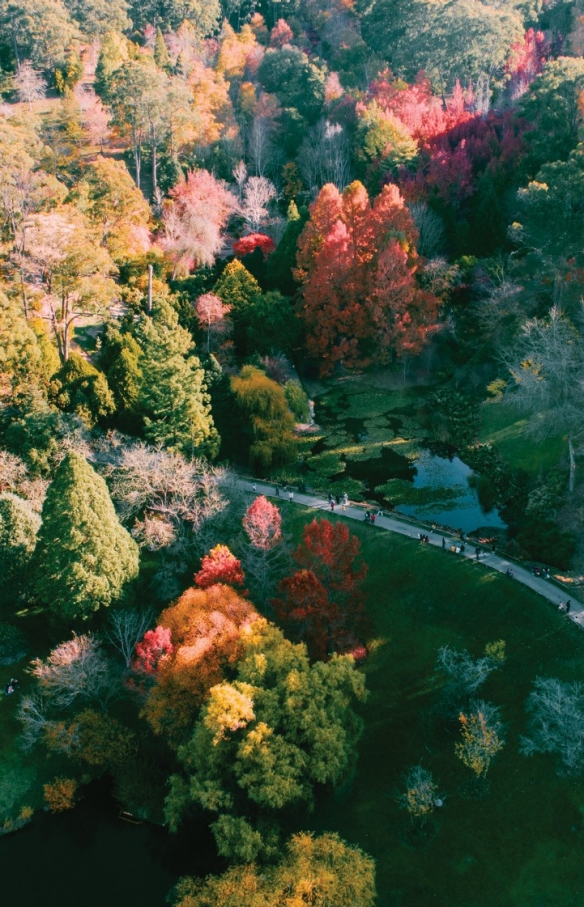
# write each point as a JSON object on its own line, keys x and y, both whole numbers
{"x": 500, "y": 426}
{"x": 522, "y": 844}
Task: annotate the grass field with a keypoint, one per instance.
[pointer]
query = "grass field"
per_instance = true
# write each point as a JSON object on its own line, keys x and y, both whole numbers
{"x": 521, "y": 844}
{"x": 501, "y": 426}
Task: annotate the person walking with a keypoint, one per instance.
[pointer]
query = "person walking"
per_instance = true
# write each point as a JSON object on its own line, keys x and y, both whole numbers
{"x": 254, "y": 487}
{"x": 345, "y": 500}
{"x": 477, "y": 552}
{"x": 277, "y": 491}
{"x": 291, "y": 496}
{"x": 332, "y": 503}
{"x": 568, "y": 606}
{"x": 443, "y": 543}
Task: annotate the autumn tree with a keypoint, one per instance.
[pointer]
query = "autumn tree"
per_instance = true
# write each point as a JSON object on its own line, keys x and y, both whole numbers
{"x": 325, "y": 866}
{"x": 152, "y": 649}
{"x": 126, "y": 627}
{"x": 357, "y": 262}
{"x": 84, "y": 559}
{"x": 76, "y": 670}
{"x": 322, "y": 603}
{"x": 60, "y": 794}
{"x": 29, "y": 84}
{"x": 201, "y": 638}
{"x": 259, "y": 748}
{"x": 268, "y": 422}
{"x": 36, "y": 30}
{"x": 219, "y": 566}
{"x": 482, "y": 737}
{"x": 194, "y": 220}
{"x": 20, "y": 356}
{"x": 420, "y": 794}
{"x": 211, "y": 313}
{"x": 263, "y": 523}
{"x": 172, "y": 395}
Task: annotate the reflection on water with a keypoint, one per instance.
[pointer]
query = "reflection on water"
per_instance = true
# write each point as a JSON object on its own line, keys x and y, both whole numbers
{"x": 465, "y": 511}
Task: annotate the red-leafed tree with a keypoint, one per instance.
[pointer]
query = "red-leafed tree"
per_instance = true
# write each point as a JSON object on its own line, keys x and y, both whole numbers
{"x": 248, "y": 244}
{"x": 211, "y": 312}
{"x": 526, "y": 60}
{"x": 263, "y": 524}
{"x": 281, "y": 34}
{"x": 155, "y": 646}
{"x": 220, "y": 566}
{"x": 358, "y": 264}
{"x": 323, "y": 602}
{"x": 194, "y": 219}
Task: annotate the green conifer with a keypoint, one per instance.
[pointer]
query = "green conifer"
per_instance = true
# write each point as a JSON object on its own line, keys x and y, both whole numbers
{"x": 84, "y": 558}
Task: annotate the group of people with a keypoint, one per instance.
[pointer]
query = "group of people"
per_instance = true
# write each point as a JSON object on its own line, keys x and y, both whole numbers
{"x": 565, "y": 606}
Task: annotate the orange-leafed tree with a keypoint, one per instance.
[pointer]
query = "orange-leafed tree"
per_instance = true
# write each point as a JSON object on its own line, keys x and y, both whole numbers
{"x": 220, "y": 566}
{"x": 60, "y": 794}
{"x": 206, "y": 629}
{"x": 323, "y": 603}
{"x": 263, "y": 523}
{"x": 357, "y": 262}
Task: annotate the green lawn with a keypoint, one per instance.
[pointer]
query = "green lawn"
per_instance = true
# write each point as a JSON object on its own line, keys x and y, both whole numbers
{"x": 519, "y": 846}
{"x": 501, "y": 426}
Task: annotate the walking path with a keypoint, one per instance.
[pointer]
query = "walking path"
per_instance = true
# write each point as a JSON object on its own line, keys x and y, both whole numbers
{"x": 394, "y": 524}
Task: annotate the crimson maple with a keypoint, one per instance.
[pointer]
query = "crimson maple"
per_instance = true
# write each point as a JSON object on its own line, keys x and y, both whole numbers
{"x": 358, "y": 263}
{"x": 219, "y": 566}
{"x": 263, "y": 523}
{"x": 150, "y": 652}
{"x": 322, "y": 603}
{"x": 248, "y": 244}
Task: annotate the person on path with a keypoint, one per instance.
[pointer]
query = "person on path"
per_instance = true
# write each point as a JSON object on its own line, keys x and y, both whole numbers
{"x": 277, "y": 491}
{"x": 332, "y": 503}
{"x": 443, "y": 542}
{"x": 290, "y": 496}
{"x": 568, "y": 606}
{"x": 478, "y": 552}
{"x": 373, "y": 518}
{"x": 345, "y": 501}
{"x": 254, "y": 487}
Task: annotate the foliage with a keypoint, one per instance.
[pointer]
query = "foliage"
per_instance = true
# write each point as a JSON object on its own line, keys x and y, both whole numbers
{"x": 271, "y": 324}
{"x": 84, "y": 559}
{"x": 75, "y": 671}
{"x": 543, "y": 540}
{"x": 78, "y": 387}
{"x": 13, "y": 645}
{"x": 298, "y": 83}
{"x": 268, "y": 424}
{"x": 297, "y": 400}
{"x": 262, "y": 523}
{"x": 267, "y": 739}
{"x": 19, "y": 526}
{"x": 206, "y": 628}
{"x": 151, "y": 650}
{"x": 219, "y": 566}
{"x": 324, "y": 867}
{"x": 60, "y": 794}
{"x": 482, "y": 739}
{"x": 248, "y": 244}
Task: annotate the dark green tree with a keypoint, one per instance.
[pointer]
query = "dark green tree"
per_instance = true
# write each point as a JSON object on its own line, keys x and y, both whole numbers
{"x": 173, "y": 396}
{"x": 78, "y": 387}
{"x": 282, "y": 262}
{"x": 237, "y": 288}
{"x": 295, "y": 80}
{"x": 84, "y": 560}
{"x": 271, "y": 325}
{"x": 267, "y": 422}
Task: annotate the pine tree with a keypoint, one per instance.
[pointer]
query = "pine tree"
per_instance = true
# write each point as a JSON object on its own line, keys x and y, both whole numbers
{"x": 173, "y": 393}
{"x": 84, "y": 559}
{"x": 238, "y": 289}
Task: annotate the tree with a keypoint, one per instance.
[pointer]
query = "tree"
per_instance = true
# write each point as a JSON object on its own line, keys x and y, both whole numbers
{"x": 482, "y": 738}
{"x": 20, "y": 356}
{"x": 84, "y": 559}
{"x": 194, "y": 219}
{"x": 115, "y": 206}
{"x": 464, "y": 674}
{"x": 272, "y": 324}
{"x": 38, "y": 30}
{"x": 94, "y": 738}
{"x": 268, "y": 423}
{"x": 78, "y": 387}
{"x": 547, "y": 368}
{"x": 323, "y": 602}
{"x": 60, "y": 794}
{"x": 126, "y": 627}
{"x": 259, "y": 748}
{"x": 211, "y": 313}
{"x": 297, "y": 83}
{"x": 98, "y": 17}
{"x": 263, "y": 523}
{"x": 29, "y": 84}
{"x": 324, "y": 157}
{"x": 326, "y": 867}
{"x": 279, "y": 272}
{"x": 219, "y": 566}
{"x": 62, "y": 253}
{"x": 151, "y": 650}
{"x": 257, "y": 194}
{"x": 248, "y": 244}
{"x": 556, "y": 712}
{"x": 172, "y": 394}
{"x": 19, "y": 525}
{"x": 357, "y": 263}
{"x": 75, "y": 671}
{"x": 421, "y": 793}
{"x": 207, "y": 628}
{"x": 202, "y": 15}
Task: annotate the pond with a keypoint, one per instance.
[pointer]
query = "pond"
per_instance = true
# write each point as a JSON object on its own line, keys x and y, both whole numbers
{"x": 91, "y": 857}
{"x": 460, "y": 508}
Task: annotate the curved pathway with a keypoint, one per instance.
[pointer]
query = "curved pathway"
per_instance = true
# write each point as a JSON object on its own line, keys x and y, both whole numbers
{"x": 392, "y": 523}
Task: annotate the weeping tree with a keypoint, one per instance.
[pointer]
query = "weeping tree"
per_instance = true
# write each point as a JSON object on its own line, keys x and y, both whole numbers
{"x": 546, "y": 365}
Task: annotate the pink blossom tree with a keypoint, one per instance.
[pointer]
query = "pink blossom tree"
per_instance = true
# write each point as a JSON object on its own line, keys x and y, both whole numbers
{"x": 211, "y": 311}
{"x": 263, "y": 524}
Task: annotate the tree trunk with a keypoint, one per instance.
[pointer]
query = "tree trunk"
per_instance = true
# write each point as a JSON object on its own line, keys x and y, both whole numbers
{"x": 572, "y": 481}
{"x": 149, "y": 302}
{"x": 154, "y": 169}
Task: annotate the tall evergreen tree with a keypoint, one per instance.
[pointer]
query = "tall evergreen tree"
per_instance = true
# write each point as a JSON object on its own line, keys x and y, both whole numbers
{"x": 173, "y": 394}
{"x": 84, "y": 558}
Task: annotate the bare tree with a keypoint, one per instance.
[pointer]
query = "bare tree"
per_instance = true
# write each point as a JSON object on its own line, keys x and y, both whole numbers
{"x": 126, "y": 628}
{"x": 29, "y": 84}
{"x": 546, "y": 366}
{"x": 260, "y": 145}
{"x": 77, "y": 669}
{"x": 240, "y": 176}
{"x": 420, "y": 796}
{"x": 430, "y": 229}
{"x": 33, "y": 713}
{"x": 257, "y": 195}
{"x": 324, "y": 157}
{"x": 463, "y": 673}
{"x": 557, "y": 722}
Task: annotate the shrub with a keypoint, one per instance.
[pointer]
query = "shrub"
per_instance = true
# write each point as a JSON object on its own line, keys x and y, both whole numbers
{"x": 297, "y": 401}
{"x": 60, "y": 795}
{"x": 544, "y": 541}
{"x": 13, "y": 645}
